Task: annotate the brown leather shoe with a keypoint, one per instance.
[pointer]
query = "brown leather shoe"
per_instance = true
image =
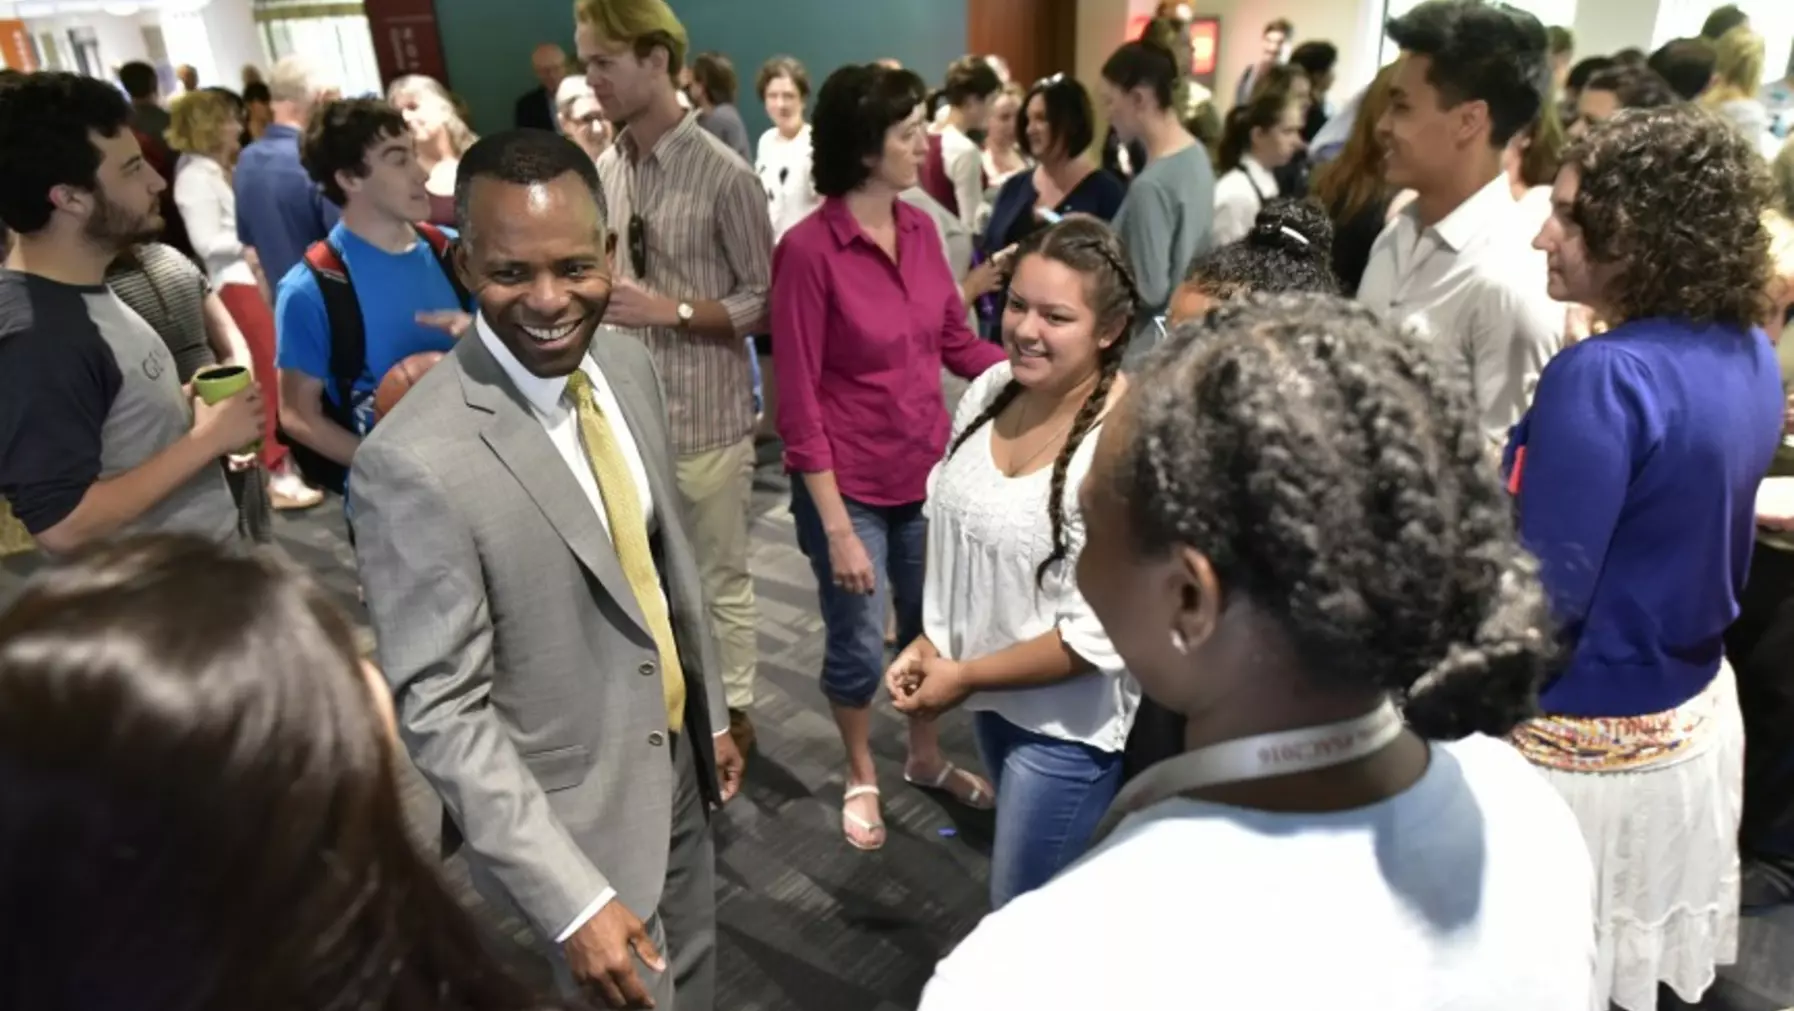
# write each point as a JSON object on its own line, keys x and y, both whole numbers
{"x": 742, "y": 730}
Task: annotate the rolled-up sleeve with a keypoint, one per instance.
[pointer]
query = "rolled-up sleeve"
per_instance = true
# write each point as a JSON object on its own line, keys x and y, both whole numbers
{"x": 800, "y": 306}
{"x": 746, "y": 237}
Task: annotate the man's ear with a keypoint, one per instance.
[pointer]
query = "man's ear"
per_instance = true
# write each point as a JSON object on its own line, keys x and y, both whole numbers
{"x": 72, "y": 199}
{"x": 462, "y": 264}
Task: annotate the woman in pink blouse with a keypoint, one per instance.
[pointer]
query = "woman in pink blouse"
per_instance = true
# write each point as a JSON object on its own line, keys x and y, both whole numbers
{"x": 865, "y": 312}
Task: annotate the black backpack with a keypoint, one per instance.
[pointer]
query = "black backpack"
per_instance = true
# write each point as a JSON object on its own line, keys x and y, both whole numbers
{"x": 348, "y": 345}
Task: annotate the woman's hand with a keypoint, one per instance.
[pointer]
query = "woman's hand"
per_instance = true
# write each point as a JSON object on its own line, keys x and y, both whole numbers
{"x": 905, "y": 672}
{"x": 987, "y": 276}
{"x": 939, "y": 685}
{"x": 849, "y": 565}
{"x": 1775, "y": 503}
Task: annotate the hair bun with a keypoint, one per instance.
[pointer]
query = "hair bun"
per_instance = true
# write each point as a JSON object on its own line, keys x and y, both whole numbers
{"x": 1295, "y": 227}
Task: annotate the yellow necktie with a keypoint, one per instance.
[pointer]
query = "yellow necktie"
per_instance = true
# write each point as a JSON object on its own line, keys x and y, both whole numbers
{"x": 629, "y": 533}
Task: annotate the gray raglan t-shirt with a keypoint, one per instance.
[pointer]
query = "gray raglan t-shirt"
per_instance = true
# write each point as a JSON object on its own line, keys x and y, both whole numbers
{"x": 87, "y": 392}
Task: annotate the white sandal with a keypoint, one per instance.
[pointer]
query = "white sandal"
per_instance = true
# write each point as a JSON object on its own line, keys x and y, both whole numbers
{"x": 867, "y": 827}
{"x": 977, "y": 800}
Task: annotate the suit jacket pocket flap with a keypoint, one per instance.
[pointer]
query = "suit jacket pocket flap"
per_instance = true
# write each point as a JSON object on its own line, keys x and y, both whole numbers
{"x": 560, "y": 768}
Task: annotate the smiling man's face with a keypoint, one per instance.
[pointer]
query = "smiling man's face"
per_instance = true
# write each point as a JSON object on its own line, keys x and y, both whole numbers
{"x": 534, "y": 258}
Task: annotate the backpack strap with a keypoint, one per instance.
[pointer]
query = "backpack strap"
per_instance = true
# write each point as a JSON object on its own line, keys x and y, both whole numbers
{"x": 348, "y": 330}
{"x": 444, "y": 248}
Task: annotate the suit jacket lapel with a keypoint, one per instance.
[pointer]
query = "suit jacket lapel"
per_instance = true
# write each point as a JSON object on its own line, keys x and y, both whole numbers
{"x": 526, "y": 451}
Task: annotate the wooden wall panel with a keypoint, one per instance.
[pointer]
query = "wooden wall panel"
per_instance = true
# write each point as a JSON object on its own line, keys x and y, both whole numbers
{"x": 1037, "y": 38}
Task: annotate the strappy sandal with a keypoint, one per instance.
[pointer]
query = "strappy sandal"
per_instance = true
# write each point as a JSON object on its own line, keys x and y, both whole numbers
{"x": 979, "y": 799}
{"x": 869, "y": 829}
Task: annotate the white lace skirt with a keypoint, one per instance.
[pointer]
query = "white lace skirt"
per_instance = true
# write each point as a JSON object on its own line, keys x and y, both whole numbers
{"x": 1664, "y": 840}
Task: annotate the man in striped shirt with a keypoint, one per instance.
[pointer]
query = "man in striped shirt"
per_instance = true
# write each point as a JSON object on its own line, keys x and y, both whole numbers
{"x": 693, "y": 263}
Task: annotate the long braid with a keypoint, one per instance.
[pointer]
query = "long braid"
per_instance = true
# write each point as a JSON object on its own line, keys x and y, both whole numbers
{"x": 1080, "y": 427}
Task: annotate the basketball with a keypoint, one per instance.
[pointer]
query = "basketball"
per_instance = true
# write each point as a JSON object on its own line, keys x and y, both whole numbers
{"x": 402, "y": 378}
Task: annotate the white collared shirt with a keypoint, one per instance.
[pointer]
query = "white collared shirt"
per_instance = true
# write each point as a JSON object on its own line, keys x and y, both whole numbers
{"x": 554, "y": 409}
{"x": 1474, "y": 288}
{"x": 208, "y": 205}
{"x": 1239, "y": 195}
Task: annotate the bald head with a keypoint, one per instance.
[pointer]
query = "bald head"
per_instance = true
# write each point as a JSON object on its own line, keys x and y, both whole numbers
{"x": 549, "y": 62}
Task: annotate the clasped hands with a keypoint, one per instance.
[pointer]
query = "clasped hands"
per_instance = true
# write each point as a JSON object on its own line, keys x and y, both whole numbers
{"x": 923, "y": 684}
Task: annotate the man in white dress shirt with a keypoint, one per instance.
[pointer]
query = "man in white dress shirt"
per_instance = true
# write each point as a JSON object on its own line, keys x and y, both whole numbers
{"x": 1456, "y": 266}
{"x": 537, "y": 603}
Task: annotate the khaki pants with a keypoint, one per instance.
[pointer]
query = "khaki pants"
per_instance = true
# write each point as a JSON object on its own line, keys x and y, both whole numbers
{"x": 718, "y": 490}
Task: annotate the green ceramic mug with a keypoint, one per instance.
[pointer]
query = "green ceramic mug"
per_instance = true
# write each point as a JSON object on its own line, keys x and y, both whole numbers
{"x": 221, "y": 382}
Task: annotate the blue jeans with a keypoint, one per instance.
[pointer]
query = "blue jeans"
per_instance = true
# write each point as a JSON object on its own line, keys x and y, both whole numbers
{"x": 1050, "y": 796}
{"x": 853, "y": 663}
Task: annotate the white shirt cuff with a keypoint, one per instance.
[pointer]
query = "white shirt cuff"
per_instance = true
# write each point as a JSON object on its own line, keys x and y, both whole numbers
{"x": 719, "y": 733}
{"x": 585, "y": 914}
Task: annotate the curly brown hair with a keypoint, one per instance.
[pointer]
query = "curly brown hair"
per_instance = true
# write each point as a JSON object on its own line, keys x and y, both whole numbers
{"x": 1675, "y": 197}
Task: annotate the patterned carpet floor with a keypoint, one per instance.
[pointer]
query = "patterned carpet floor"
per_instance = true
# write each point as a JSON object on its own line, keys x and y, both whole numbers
{"x": 807, "y": 923}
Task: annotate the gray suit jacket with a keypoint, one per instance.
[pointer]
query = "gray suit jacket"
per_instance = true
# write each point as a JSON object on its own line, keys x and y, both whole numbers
{"x": 527, "y": 684}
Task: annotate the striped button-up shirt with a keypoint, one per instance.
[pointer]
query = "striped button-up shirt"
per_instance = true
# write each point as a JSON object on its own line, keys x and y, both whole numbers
{"x": 708, "y": 238}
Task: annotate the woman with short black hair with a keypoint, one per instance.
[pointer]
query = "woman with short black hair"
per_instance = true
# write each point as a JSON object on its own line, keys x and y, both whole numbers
{"x": 865, "y": 314}
{"x": 1057, "y": 129}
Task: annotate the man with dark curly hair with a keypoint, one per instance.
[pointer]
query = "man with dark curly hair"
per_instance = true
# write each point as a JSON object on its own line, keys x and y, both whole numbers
{"x": 1636, "y": 474}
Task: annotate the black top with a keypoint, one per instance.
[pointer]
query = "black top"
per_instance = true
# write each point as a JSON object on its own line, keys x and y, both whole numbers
{"x": 1352, "y": 240}
{"x": 535, "y": 110}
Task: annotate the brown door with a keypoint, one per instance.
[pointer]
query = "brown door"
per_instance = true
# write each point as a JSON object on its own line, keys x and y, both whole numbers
{"x": 1037, "y": 38}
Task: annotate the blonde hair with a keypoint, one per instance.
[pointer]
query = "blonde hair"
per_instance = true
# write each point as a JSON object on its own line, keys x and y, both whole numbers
{"x": 199, "y": 122}
{"x": 1738, "y": 62}
{"x": 1783, "y": 170}
{"x": 644, "y": 24}
{"x": 461, "y": 136}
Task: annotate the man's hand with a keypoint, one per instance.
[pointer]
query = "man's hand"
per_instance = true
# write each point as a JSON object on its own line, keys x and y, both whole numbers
{"x": 231, "y": 423}
{"x": 602, "y": 955}
{"x": 632, "y": 305}
{"x": 939, "y": 685}
{"x": 453, "y": 322}
{"x": 729, "y": 765}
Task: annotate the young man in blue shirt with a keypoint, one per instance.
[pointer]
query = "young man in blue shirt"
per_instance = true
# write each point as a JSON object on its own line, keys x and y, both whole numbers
{"x": 365, "y": 160}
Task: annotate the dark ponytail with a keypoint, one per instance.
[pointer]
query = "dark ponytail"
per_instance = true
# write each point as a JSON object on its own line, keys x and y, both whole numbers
{"x": 1263, "y": 112}
{"x": 1089, "y": 247}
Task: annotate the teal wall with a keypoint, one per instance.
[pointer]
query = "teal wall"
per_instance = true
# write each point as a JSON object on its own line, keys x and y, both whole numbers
{"x": 487, "y": 43}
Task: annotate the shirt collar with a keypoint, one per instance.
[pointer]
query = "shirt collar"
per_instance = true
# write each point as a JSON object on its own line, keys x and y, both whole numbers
{"x": 669, "y": 141}
{"x": 279, "y": 131}
{"x": 1489, "y": 208}
{"x": 544, "y": 393}
{"x": 845, "y": 229}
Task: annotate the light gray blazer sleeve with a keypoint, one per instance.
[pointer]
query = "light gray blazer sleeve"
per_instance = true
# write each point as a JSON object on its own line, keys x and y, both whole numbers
{"x": 422, "y": 576}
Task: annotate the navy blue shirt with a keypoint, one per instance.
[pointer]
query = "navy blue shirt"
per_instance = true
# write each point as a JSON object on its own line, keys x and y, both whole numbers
{"x": 280, "y": 211}
{"x": 1012, "y": 215}
{"x": 1637, "y": 471}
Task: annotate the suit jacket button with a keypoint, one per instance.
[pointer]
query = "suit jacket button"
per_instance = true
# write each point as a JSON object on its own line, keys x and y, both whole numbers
{"x": 646, "y": 669}
{"x": 657, "y": 738}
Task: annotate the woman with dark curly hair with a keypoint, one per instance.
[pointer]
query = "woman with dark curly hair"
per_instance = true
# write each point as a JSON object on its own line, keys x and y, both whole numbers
{"x": 199, "y": 803}
{"x": 1290, "y": 573}
{"x": 1288, "y": 249}
{"x": 1636, "y": 474}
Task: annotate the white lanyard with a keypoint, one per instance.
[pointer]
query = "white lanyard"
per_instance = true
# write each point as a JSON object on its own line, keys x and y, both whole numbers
{"x": 1259, "y": 757}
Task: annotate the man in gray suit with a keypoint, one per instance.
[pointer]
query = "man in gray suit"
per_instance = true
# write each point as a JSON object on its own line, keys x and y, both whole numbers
{"x": 536, "y": 601}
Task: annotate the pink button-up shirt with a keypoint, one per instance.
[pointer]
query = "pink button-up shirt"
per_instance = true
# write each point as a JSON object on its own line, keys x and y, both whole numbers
{"x": 858, "y": 344}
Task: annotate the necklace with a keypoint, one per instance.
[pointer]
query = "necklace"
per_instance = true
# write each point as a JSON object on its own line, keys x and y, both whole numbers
{"x": 1016, "y": 467}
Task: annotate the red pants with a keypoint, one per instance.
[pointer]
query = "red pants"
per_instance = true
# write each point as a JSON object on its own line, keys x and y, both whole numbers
{"x": 256, "y": 321}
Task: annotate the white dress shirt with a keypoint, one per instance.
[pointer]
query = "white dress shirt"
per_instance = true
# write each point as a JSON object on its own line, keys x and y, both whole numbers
{"x": 554, "y": 410}
{"x": 1238, "y": 197}
{"x": 964, "y": 164}
{"x": 783, "y": 165}
{"x": 1472, "y": 286}
{"x": 209, "y": 210}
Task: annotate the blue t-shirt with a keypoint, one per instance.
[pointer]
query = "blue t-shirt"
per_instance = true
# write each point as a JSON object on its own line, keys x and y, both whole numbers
{"x": 392, "y": 289}
{"x": 280, "y": 211}
{"x": 1638, "y": 467}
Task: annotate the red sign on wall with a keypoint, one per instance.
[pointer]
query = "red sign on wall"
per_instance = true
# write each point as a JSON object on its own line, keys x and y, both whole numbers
{"x": 406, "y": 39}
{"x": 15, "y": 47}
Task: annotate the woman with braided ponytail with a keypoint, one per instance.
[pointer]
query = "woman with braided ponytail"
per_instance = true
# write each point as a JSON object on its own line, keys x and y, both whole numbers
{"x": 1005, "y": 632}
{"x": 1292, "y": 535}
